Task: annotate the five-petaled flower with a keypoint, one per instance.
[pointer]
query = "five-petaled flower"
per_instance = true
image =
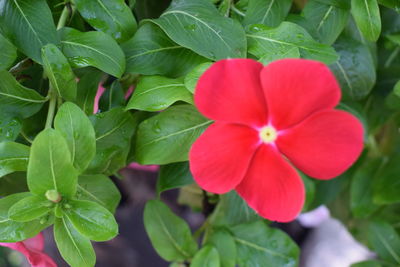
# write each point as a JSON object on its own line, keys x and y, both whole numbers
{"x": 269, "y": 120}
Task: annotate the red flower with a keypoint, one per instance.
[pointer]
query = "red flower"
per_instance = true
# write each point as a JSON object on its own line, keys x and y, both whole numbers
{"x": 268, "y": 120}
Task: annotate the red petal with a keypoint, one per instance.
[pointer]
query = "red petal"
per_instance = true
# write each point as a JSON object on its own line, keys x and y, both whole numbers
{"x": 220, "y": 156}
{"x": 296, "y": 88}
{"x": 272, "y": 187}
{"x": 324, "y": 145}
{"x": 230, "y": 90}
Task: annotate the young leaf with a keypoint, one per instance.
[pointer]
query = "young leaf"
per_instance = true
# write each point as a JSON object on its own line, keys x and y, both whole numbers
{"x": 76, "y": 249}
{"x": 263, "y": 41}
{"x": 256, "y": 242}
{"x": 268, "y": 12}
{"x": 385, "y": 241}
{"x": 59, "y": 72}
{"x": 92, "y": 220}
{"x": 29, "y": 24}
{"x": 99, "y": 188}
{"x": 173, "y": 176}
{"x": 110, "y": 16}
{"x": 206, "y": 257}
{"x": 95, "y": 49}
{"x": 16, "y": 99}
{"x": 367, "y": 16}
{"x": 193, "y": 76}
{"x": 87, "y": 89}
{"x": 169, "y": 234}
{"x": 12, "y": 231}
{"x": 77, "y": 129}
{"x": 155, "y": 93}
{"x": 50, "y": 165}
{"x": 211, "y": 35}
{"x": 151, "y": 52}
{"x": 168, "y": 136}
{"x": 223, "y": 241}
{"x": 29, "y": 208}
{"x": 8, "y": 53}
{"x": 114, "y": 130}
{"x": 13, "y": 157}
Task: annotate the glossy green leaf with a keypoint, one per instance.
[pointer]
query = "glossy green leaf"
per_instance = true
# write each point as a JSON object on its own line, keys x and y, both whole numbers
{"x": 268, "y": 12}
{"x": 385, "y": 241}
{"x": 173, "y": 176}
{"x": 59, "y": 72}
{"x": 355, "y": 68}
{"x": 169, "y": 234}
{"x": 16, "y": 99}
{"x": 293, "y": 52}
{"x": 223, "y": 241}
{"x": 29, "y": 208}
{"x": 328, "y": 19}
{"x": 92, "y": 220}
{"x": 99, "y": 188}
{"x": 12, "y": 231}
{"x": 110, "y": 16}
{"x": 367, "y": 16}
{"x": 264, "y": 41}
{"x": 29, "y": 24}
{"x": 79, "y": 133}
{"x": 114, "y": 130}
{"x": 256, "y": 242}
{"x": 8, "y": 53}
{"x": 87, "y": 89}
{"x": 207, "y": 256}
{"x": 193, "y": 76}
{"x": 386, "y": 185}
{"x": 13, "y": 157}
{"x": 168, "y": 136}
{"x": 155, "y": 93}
{"x": 212, "y": 35}
{"x": 95, "y": 49}
{"x": 151, "y": 52}
{"x": 50, "y": 165}
{"x": 114, "y": 96}
{"x": 10, "y": 127}
{"x": 76, "y": 249}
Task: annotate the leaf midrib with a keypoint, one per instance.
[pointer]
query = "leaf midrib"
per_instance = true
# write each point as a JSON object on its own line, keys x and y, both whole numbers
{"x": 27, "y": 21}
{"x": 257, "y": 247}
{"x": 73, "y": 242}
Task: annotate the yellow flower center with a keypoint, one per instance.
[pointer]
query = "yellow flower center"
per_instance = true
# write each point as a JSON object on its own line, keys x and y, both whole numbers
{"x": 268, "y": 134}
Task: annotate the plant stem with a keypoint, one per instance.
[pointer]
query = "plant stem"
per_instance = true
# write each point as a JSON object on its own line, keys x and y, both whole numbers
{"x": 237, "y": 11}
{"x": 64, "y": 16}
{"x": 52, "y": 107}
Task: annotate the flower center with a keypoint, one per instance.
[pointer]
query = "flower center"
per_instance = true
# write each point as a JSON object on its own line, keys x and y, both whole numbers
{"x": 268, "y": 134}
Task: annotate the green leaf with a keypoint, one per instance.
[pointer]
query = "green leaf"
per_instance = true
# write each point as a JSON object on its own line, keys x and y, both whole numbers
{"x": 79, "y": 133}
{"x": 223, "y": 241}
{"x": 92, "y": 220}
{"x": 155, "y": 93}
{"x": 368, "y": 19}
{"x": 13, "y": 183}
{"x": 12, "y": 231}
{"x": 395, "y": 38}
{"x": 59, "y": 72}
{"x": 99, "y": 188}
{"x": 87, "y": 89}
{"x": 310, "y": 191}
{"x": 293, "y": 52}
{"x": 76, "y": 249}
{"x": 110, "y": 16}
{"x": 173, "y": 176}
{"x": 29, "y": 208}
{"x": 13, "y": 157}
{"x": 355, "y": 68}
{"x": 268, "y": 12}
{"x": 193, "y": 76}
{"x": 151, "y": 52}
{"x": 385, "y": 241}
{"x": 169, "y": 234}
{"x": 206, "y": 257}
{"x": 8, "y": 53}
{"x": 114, "y": 96}
{"x": 256, "y": 242}
{"x": 386, "y": 185}
{"x": 114, "y": 130}
{"x": 50, "y": 165}
{"x": 264, "y": 41}
{"x": 95, "y": 49}
{"x": 211, "y": 35}
{"x": 367, "y": 264}
{"x": 16, "y": 99}
{"x": 394, "y": 4}
{"x": 168, "y": 136}
{"x": 29, "y": 24}
{"x": 10, "y": 127}
{"x": 328, "y": 19}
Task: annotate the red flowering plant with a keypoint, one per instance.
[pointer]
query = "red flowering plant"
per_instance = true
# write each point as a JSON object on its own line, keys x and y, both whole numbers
{"x": 257, "y": 116}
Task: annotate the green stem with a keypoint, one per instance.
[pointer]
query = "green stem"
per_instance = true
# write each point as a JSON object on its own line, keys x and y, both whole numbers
{"x": 52, "y": 108}
{"x": 64, "y": 16}
{"x": 392, "y": 56}
{"x": 237, "y": 11}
